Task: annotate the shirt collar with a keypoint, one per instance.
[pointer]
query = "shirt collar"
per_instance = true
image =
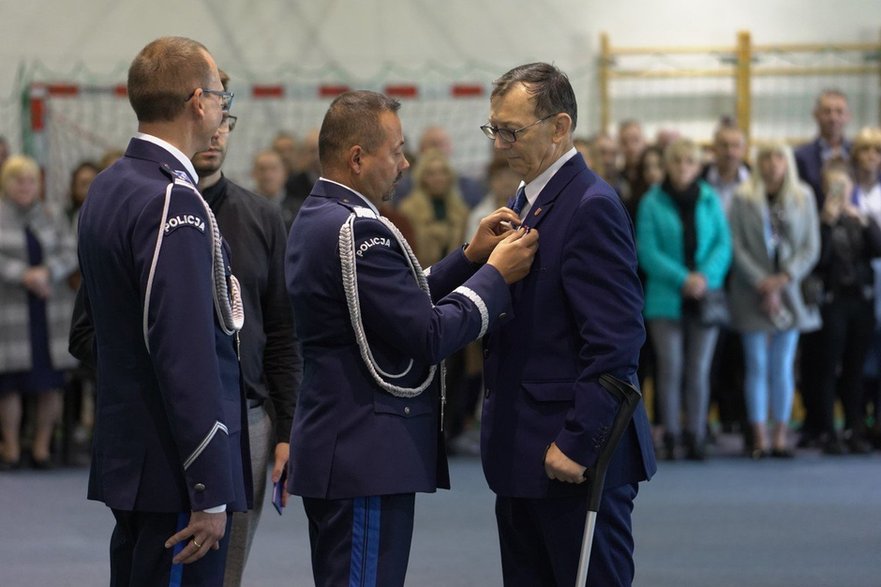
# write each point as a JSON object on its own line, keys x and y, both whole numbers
{"x": 366, "y": 201}
{"x": 534, "y": 187}
{"x": 178, "y": 154}
{"x": 827, "y": 151}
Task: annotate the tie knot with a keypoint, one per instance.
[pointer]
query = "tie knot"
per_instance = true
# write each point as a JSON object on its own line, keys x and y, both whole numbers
{"x": 519, "y": 200}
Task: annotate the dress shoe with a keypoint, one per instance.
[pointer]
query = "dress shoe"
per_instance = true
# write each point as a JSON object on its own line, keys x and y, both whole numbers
{"x": 695, "y": 450}
{"x": 858, "y": 446}
{"x": 833, "y": 446}
{"x": 782, "y": 453}
{"x": 10, "y": 465}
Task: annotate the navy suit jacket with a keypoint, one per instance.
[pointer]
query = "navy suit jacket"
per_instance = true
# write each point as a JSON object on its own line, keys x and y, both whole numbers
{"x": 170, "y": 434}
{"x": 350, "y": 437}
{"x": 809, "y": 161}
{"x": 577, "y": 315}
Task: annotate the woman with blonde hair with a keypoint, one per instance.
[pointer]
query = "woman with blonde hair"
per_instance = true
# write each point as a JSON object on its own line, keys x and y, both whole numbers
{"x": 435, "y": 208}
{"x": 37, "y": 255}
{"x": 776, "y": 240}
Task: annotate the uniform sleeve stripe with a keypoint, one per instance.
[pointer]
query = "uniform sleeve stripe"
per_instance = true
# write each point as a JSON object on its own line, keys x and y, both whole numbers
{"x": 481, "y": 306}
{"x": 205, "y": 442}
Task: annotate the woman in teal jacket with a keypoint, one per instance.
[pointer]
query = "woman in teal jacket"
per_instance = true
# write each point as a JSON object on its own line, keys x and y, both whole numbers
{"x": 684, "y": 248}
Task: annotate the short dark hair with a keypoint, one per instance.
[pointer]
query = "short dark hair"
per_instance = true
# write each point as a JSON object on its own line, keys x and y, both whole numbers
{"x": 353, "y": 119}
{"x": 549, "y": 87}
{"x": 162, "y": 76}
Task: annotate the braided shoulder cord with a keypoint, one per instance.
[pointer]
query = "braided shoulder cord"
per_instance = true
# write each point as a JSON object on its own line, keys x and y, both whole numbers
{"x": 350, "y": 286}
{"x": 227, "y": 300}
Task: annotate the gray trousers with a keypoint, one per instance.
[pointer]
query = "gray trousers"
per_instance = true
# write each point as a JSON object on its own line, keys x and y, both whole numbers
{"x": 244, "y": 524}
{"x": 684, "y": 350}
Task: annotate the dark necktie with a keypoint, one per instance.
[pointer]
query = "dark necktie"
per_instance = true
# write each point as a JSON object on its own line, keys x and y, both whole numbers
{"x": 519, "y": 201}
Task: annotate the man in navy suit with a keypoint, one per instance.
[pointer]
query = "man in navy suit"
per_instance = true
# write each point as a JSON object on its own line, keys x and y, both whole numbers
{"x": 373, "y": 326}
{"x": 170, "y": 446}
{"x": 577, "y": 315}
{"x": 832, "y": 113}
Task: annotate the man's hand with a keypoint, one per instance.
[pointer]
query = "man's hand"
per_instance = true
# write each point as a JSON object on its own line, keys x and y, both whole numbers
{"x": 560, "y": 467}
{"x": 490, "y": 232}
{"x": 282, "y": 454}
{"x": 513, "y": 256}
{"x": 205, "y": 531}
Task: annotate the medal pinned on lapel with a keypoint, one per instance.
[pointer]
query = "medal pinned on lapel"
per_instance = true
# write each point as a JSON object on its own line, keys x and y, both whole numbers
{"x": 537, "y": 212}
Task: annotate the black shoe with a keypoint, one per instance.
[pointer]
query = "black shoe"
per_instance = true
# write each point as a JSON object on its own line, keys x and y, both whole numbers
{"x": 782, "y": 453}
{"x": 858, "y": 446}
{"x": 809, "y": 440}
{"x": 667, "y": 450}
{"x": 42, "y": 465}
{"x": 10, "y": 465}
{"x": 695, "y": 450}
{"x": 833, "y": 446}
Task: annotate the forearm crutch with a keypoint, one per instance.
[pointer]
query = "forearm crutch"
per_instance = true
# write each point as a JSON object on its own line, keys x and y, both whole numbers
{"x": 629, "y": 398}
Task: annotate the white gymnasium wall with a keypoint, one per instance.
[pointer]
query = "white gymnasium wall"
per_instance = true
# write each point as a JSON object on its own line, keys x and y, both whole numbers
{"x": 392, "y": 40}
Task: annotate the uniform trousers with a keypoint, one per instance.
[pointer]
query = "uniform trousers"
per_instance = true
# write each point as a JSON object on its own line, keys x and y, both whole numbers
{"x": 244, "y": 524}
{"x": 540, "y": 540}
{"x": 138, "y": 557}
{"x": 362, "y": 541}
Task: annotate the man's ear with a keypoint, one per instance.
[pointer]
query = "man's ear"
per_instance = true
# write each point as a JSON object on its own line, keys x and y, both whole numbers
{"x": 355, "y": 159}
{"x": 562, "y": 126}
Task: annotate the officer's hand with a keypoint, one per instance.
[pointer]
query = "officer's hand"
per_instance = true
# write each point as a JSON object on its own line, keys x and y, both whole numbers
{"x": 513, "y": 257}
{"x": 204, "y": 532}
{"x": 490, "y": 232}
{"x": 560, "y": 467}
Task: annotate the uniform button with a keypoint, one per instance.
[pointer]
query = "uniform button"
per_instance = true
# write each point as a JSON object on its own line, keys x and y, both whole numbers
{"x": 407, "y": 410}
{"x": 503, "y": 315}
{"x": 485, "y": 353}
{"x": 486, "y": 392}
{"x": 200, "y": 487}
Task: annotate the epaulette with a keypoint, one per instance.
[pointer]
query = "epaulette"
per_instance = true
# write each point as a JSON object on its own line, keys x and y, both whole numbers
{"x": 360, "y": 211}
{"x": 179, "y": 177}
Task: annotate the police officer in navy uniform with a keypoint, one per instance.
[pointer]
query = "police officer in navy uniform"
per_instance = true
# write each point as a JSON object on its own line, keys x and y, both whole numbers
{"x": 170, "y": 454}
{"x": 373, "y": 325}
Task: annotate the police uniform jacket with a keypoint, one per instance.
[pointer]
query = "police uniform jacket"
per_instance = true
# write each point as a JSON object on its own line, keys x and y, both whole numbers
{"x": 577, "y": 315}
{"x": 170, "y": 434}
{"x": 350, "y": 436}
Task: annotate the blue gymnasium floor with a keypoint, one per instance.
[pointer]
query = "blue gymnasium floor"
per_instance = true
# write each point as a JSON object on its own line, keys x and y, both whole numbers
{"x": 810, "y": 522}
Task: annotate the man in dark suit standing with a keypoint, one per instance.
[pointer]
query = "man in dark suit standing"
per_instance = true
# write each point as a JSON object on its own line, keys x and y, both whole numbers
{"x": 366, "y": 435}
{"x": 832, "y": 114}
{"x": 577, "y": 316}
{"x": 170, "y": 446}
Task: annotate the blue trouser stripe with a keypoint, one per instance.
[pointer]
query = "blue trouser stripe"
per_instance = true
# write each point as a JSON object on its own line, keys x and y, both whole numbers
{"x": 177, "y": 570}
{"x": 365, "y": 541}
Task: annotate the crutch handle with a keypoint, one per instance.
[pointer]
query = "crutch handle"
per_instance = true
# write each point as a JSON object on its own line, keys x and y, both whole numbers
{"x": 629, "y": 398}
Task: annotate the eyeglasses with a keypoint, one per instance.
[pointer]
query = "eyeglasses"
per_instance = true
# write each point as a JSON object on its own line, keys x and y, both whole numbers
{"x": 506, "y": 134}
{"x": 225, "y": 97}
{"x": 228, "y": 123}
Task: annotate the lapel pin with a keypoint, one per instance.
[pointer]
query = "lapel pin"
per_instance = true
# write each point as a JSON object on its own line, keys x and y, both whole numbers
{"x": 537, "y": 212}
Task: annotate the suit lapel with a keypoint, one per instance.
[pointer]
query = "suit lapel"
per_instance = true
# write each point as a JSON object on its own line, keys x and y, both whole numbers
{"x": 548, "y": 196}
